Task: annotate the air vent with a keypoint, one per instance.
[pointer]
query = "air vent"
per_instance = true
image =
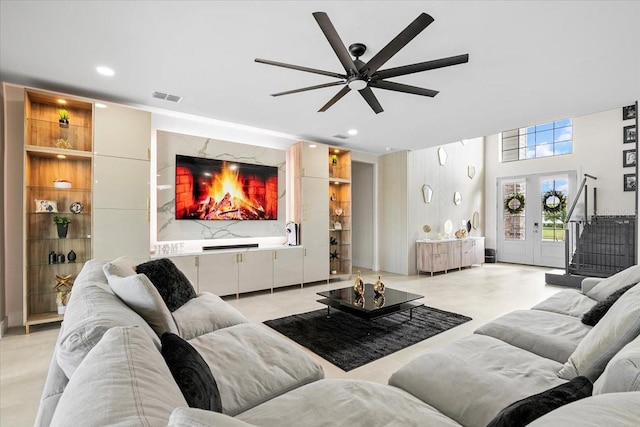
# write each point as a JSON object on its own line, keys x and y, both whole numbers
{"x": 166, "y": 96}
{"x": 340, "y": 136}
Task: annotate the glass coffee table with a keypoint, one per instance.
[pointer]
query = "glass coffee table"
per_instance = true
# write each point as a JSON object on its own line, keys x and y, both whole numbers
{"x": 370, "y": 305}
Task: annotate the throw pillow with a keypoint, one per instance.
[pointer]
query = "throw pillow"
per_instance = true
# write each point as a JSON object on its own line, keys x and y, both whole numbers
{"x": 606, "y": 286}
{"x": 592, "y": 316}
{"x": 141, "y": 296}
{"x": 524, "y": 411}
{"x": 191, "y": 373}
{"x": 174, "y": 287}
{"x": 123, "y": 267}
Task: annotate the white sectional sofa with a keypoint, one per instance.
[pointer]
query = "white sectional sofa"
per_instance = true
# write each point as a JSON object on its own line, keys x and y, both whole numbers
{"x": 108, "y": 369}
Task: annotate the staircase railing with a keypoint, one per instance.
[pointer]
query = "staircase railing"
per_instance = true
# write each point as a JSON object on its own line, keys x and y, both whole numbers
{"x": 571, "y": 232}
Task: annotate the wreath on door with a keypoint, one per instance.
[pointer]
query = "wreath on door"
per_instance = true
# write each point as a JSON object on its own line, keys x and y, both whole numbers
{"x": 514, "y": 204}
{"x": 554, "y": 202}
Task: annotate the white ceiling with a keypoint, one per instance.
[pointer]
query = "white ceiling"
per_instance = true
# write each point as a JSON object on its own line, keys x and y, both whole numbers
{"x": 530, "y": 62}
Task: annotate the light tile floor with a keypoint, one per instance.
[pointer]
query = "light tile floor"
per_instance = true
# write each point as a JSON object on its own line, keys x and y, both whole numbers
{"x": 482, "y": 293}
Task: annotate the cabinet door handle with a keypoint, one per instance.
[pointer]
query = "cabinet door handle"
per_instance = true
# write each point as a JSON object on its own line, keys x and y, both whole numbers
{"x": 275, "y": 255}
{"x": 197, "y": 261}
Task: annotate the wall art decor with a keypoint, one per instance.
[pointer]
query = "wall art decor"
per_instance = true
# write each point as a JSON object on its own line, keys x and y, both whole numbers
{"x": 629, "y": 134}
{"x": 442, "y": 156}
{"x": 471, "y": 171}
{"x": 76, "y": 207}
{"x": 457, "y": 198}
{"x": 628, "y": 158}
{"x": 427, "y": 193}
{"x": 629, "y": 112}
{"x": 475, "y": 220}
{"x": 630, "y": 182}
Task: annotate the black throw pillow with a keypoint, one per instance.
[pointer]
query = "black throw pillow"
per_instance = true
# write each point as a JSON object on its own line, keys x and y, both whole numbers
{"x": 191, "y": 373}
{"x": 525, "y": 411}
{"x": 173, "y": 286}
{"x": 596, "y": 313}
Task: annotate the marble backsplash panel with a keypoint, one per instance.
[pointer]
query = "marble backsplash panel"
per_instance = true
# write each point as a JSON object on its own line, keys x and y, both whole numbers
{"x": 169, "y": 229}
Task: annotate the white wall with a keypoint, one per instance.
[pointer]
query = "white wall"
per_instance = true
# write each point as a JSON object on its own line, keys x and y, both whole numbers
{"x": 444, "y": 180}
{"x": 597, "y": 150}
{"x": 362, "y": 226}
{"x": 393, "y": 215}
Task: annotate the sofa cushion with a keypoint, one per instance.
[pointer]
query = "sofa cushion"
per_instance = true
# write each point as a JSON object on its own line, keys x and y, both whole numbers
{"x": 474, "y": 378}
{"x": 138, "y": 292}
{"x": 336, "y": 402}
{"x": 570, "y": 302}
{"x": 173, "y": 285}
{"x": 191, "y": 373}
{"x": 123, "y": 380}
{"x": 618, "y": 327}
{"x": 606, "y": 287}
{"x": 121, "y": 267}
{"x": 192, "y": 417}
{"x": 92, "y": 310}
{"x": 622, "y": 372}
{"x": 251, "y": 365}
{"x": 205, "y": 313}
{"x": 611, "y": 409}
{"x": 524, "y": 411}
{"x": 594, "y": 315}
{"x": 551, "y": 335}
{"x": 91, "y": 272}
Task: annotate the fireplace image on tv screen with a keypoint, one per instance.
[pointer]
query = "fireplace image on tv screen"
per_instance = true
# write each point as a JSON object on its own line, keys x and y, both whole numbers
{"x": 210, "y": 189}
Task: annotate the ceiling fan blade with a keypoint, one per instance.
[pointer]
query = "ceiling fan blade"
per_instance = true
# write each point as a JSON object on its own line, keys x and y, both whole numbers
{"x": 304, "y": 89}
{"x": 336, "y": 43}
{"x": 400, "y": 41}
{"x": 335, "y": 99}
{"x": 398, "y": 87}
{"x": 299, "y": 68}
{"x": 371, "y": 99}
{"x": 421, "y": 66}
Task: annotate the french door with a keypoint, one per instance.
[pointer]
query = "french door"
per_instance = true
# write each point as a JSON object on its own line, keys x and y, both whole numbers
{"x": 531, "y": 213}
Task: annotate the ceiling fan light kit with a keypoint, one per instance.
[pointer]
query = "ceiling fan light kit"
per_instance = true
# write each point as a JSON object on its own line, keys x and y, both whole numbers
{"x": 361, "y": 76}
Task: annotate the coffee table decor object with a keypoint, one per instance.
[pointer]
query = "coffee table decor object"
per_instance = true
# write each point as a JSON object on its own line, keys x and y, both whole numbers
{"x": 378, "y": 287}
{"x": 358, "y": 285}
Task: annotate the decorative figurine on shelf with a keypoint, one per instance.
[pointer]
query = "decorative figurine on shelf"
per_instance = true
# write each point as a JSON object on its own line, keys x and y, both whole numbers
{"x": 71, "y": 256}
{"x": 62, "y": 223}
{"x": 63, "y": 118}
{"x": 62, "y": 143}
{"x": 334, "y": 255}
{"x": 333, "y": 241}
{"x": 60, "y": 258}
{"x": 52, "y": 257}
{"x": 358, "y": 285}
{"x": 334, "y": 164}
{"x": 63, "y": 289}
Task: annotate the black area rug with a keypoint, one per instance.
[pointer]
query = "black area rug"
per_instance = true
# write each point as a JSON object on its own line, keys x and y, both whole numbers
{"x": 350, "y": 342}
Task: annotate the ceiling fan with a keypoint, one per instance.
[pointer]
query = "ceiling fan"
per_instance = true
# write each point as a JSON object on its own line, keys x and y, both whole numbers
{"x": 363, "y": 76}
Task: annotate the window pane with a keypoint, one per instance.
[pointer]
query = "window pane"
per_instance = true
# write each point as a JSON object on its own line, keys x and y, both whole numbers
{"x": 545, "y": 137}
{"x": 509, "y": 155}
{"x": 514, "y": 224}
{"x": 510, "y": 133}
{"x": 565, "y": 147}
{"x": 563, "y": 123}
{"x": 528, "y": 131}
{"x": 544, "y": 150}
{"x": 509, "y": 143}
{"x": 544, "y": 126}
{"x": 531, "y": 153}
{"x": 563, "y": 134}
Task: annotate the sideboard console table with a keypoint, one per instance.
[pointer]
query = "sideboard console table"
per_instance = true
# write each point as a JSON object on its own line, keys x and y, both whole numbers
{"x": 449, "y": 254}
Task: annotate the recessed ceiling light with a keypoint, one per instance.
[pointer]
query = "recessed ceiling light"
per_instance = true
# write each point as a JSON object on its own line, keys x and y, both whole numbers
{"x": 62, "y": 101}
{"x": 352, "y": 132}
{"x": 336, "y": 151}
{"x": 105, "y": 71}
{"x": 61, "y": 156}
{"x": 99, "y": 105}
{"x": 312, "y": 145}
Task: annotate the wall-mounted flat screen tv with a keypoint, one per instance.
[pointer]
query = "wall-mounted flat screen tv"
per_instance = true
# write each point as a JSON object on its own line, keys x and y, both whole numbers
{"x": 210, "y": 189}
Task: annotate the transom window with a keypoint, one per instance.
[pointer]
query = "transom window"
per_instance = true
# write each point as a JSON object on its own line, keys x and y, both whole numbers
{"x": 547, "y": 139}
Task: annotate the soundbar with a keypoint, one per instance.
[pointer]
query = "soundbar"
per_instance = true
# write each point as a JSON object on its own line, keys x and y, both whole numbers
{"x": 243, "y": 246}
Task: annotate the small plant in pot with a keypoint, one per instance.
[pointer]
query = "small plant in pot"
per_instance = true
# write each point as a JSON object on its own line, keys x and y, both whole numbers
{"x": 63, "y": 117}
{"x": 62, "y": 223}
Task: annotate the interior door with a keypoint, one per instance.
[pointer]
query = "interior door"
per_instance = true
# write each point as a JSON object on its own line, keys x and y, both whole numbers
{"x": 530, "y": 217}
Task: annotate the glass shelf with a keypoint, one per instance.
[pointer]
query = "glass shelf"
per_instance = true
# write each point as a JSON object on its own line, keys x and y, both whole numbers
{"x": 42, "y": 188}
